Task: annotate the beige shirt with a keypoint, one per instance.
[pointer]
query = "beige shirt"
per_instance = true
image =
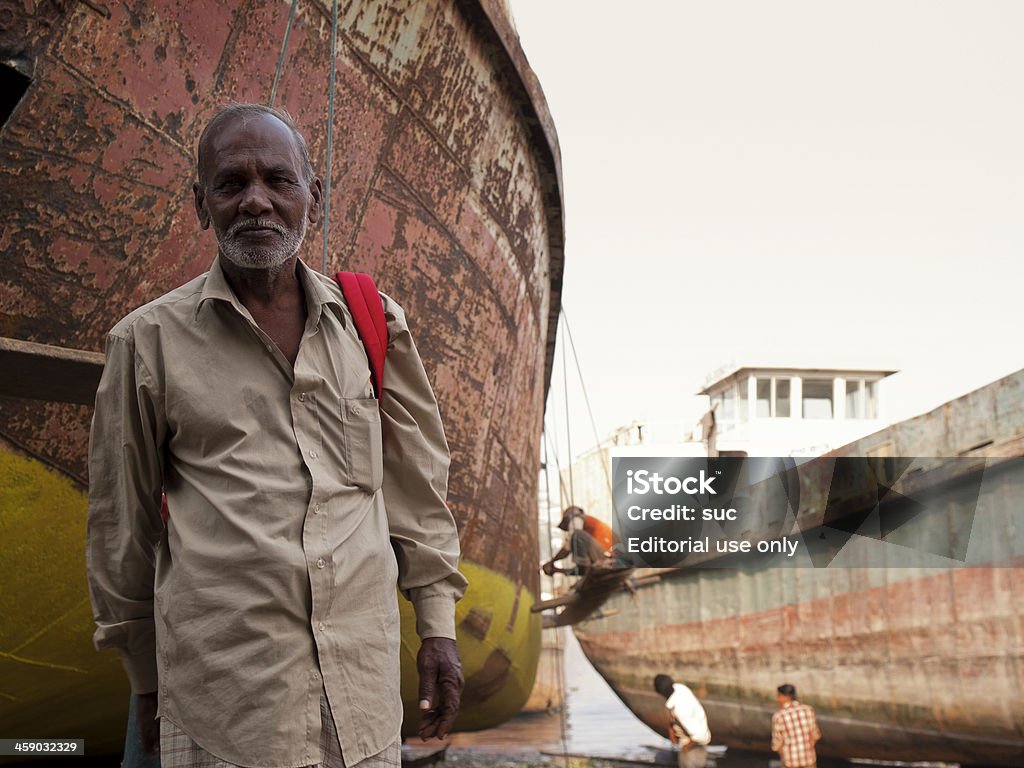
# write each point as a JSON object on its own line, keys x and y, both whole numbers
{"x": 296, "y": 505}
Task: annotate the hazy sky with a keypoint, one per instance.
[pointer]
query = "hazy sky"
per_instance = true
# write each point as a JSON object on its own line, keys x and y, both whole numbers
{"x": 802, "y": 181}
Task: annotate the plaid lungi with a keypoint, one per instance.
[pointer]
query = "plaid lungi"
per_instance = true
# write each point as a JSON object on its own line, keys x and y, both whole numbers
{"x": 177, "y": 750}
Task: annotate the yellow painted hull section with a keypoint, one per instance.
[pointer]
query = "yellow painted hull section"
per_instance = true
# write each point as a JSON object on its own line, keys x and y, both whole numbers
{"x": 499, "y": 643}
{"x": 53, "y": 683}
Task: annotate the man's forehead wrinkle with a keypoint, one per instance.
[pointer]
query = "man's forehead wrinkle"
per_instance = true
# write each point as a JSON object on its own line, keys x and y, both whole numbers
{"x": 263, "y": 161}
{"x": 265, "y": 135}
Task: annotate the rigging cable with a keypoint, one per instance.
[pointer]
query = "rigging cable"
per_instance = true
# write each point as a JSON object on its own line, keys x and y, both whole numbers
{"x": 558, "y": 468}
{"x": 568, "y": 424}
{"x": 559, "y": 649}
{"x": 586, "y": 398}
{"x": 284, "y": 50}
{"x": 330, "y": 129}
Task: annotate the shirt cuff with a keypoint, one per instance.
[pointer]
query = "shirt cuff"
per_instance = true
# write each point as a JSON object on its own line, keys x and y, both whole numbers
{"x": 141, "y": 670}
{"x": 435, "y": 615}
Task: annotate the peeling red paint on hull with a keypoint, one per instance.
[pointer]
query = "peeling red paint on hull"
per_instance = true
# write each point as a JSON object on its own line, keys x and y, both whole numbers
{"x": 445, "y": 187}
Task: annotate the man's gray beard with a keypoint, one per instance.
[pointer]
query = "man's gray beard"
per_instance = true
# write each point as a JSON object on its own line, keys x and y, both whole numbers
{"x": 270, "y": 257}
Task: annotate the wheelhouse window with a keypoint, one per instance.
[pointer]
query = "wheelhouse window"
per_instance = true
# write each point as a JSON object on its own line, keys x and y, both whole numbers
{"x": 729, "y": 405}
{"x": 861, "y": 399}
{"x": 772, "y": 393}
{"x": 871, "y": 400}
{"x": 817, "y": 400}
{"x": 854, "y": 404}
{"x": 782, "y": 398}
{"x": 764, "y": 398}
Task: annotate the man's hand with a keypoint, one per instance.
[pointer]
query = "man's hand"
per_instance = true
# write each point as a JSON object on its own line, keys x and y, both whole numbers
{"x": 149, "y": 726}
{"x": 441, "y": 685}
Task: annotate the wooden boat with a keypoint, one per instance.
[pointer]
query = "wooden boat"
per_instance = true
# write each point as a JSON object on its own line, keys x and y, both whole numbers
{"x": 901, "y": 663}
{"x": 446, "y": 187}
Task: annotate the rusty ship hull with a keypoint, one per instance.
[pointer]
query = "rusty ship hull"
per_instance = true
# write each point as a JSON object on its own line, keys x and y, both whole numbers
{"x": 446, "y": 187}
{"x": 900, "y": 663}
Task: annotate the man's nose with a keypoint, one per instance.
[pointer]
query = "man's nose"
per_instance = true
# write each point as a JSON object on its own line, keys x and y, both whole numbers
{"x": 255, "y": 200}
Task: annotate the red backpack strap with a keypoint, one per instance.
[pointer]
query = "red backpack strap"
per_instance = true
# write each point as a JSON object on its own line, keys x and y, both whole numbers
{"x": 367, "y": 310}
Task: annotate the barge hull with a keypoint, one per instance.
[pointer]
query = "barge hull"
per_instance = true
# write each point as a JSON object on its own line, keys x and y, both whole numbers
{"x": 900, "y": 663}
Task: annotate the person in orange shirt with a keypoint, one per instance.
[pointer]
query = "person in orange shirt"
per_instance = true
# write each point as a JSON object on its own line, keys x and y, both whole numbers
{"x": 589, "y": 543}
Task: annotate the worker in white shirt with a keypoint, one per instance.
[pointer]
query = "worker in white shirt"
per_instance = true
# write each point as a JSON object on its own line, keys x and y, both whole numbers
{"x": 688, "y": 726}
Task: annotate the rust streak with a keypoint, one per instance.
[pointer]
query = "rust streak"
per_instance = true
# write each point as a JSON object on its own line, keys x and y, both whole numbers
{"x": 98, "y": 169}
{"x": 398, "y": 179}
{"x": 128, "y": 110}
{"x": 99, "y": 8}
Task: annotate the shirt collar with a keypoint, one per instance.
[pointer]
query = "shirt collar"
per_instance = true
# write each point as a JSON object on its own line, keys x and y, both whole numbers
{"x": 216, "y": 287}
{"x": 317, "y": 294}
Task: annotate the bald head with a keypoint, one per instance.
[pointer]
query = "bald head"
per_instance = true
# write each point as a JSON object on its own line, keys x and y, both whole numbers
{"x": 244, "y": 113}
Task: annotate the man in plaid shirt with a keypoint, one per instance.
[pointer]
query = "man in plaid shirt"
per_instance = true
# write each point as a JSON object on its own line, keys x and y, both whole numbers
{"x": 794, "y": 730}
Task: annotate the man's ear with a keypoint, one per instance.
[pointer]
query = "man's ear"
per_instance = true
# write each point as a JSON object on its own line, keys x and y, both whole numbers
{"x": 200, "y": 199}
{"x": 316, "y": 192}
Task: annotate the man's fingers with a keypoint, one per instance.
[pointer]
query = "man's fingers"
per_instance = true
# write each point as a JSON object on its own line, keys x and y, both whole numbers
{"x": 427, "y": 678}
{"x": 437, "y": 723}
{"x": 428, "y": 725}
{"x": 441, "y": 684}
{"x": 448, "y": 715}
{"x": 452, "y": 684}
{"x": 427, "y": 667}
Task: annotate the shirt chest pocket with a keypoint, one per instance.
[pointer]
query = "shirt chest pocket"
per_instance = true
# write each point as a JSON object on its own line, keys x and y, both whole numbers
{"x": 364, "y": 448}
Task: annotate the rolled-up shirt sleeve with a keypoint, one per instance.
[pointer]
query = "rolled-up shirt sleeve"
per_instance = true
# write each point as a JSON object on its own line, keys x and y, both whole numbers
{"x": 415, "y": 485}
{"x": 778, "y": 734}
{"x": 125, "y": 480}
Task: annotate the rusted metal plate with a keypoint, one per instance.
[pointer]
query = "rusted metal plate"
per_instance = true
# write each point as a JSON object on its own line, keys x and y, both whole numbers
{"x": 445, "y": 186}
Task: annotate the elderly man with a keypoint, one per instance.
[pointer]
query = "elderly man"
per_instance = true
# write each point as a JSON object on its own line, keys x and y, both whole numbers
{"x": 260, "y": 624}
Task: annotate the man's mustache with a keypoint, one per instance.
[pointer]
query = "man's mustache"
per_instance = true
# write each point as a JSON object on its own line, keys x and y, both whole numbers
{"x": 250, "y": 224}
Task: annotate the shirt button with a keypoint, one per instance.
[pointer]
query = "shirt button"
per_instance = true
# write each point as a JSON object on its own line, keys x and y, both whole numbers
{"x": 316, "y": 509}
{"x": 320, "y": 563}
{"x": 302, "y": 397}
{"x": 354, "y": 410}
{"x": 321, "y": 626}
{"x": 313, "y": 454}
